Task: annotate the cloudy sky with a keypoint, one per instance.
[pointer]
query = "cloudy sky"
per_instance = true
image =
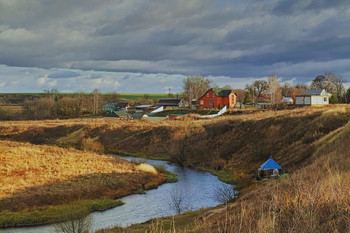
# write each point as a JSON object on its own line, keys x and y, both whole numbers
{"x": 148, "y": 46}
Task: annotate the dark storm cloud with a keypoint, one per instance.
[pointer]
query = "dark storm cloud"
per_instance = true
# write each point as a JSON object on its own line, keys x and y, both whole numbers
{"x": 238, "y": 39}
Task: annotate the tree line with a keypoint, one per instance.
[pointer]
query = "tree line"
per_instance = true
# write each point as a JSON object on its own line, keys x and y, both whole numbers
{"x": 270, "y": 90}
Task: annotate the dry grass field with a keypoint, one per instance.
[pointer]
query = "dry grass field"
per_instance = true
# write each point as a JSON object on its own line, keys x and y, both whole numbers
{"x": 315, "y": 197}
{"x": 310, "y": 143}
{"x": 38, "y": 177}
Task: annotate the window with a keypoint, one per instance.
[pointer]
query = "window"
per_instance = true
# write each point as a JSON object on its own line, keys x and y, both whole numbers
{"x": 207, "y": 94}
{"x": 201, "y": 102}
{"x": 325, "y": 99}
{"x": 213, "y": 94}
{"x": 210, "y": 102}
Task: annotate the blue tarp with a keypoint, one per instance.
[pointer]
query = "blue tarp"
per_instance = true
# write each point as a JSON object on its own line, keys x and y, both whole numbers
{"x": 270, "y": 164}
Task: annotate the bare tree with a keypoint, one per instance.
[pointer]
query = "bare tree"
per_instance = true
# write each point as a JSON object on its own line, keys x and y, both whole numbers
{"x": 39, "y": 109}
{"x": 177, "y": 200}
{"x": 321, "y": 82}
{"x": 75, "y": 225}
{"x": 96, "y": 101}
{"x": 195, "y": 86}
{"x": 225, "y": 194}
{"x": 274, "y": 89}
{"x": 337, "y": 84}
{"x": 331, "y": 83}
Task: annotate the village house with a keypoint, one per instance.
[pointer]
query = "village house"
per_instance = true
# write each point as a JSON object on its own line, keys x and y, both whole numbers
{"x": 111, "y": 107}
{"x": 211, "y": 99}
{"x": 313, "y": 97}
{"x": 169, "y": 102}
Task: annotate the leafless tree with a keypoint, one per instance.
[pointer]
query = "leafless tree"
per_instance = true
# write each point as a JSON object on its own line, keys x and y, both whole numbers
{"x": 39, "y": 109}
{"x": 337, "y": 84}
{"x": 75, "y": 225}
{"x": 180, "y": 150}
{"x": 96, "y": 102}
{"x": 195, "y": 86}
{"x": 225, "y": 194}
{"x": 177, "y": 200}
{"x": 274, "y": 89}
{"x": 331, "y": 83}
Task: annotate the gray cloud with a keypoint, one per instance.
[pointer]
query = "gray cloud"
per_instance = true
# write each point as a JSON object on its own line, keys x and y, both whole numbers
{"x": 63, "y": 74}
{"x": 237, "y": 39}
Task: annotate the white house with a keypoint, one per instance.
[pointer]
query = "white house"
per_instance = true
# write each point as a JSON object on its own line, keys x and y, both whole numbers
{"x": 313, "y": 97}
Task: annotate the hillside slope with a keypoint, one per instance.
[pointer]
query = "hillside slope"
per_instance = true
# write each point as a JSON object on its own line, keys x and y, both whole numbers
{"x": 235, "y": 144}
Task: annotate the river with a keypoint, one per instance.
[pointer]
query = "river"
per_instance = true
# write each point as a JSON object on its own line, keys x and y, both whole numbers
{"x": 197, "y": 190}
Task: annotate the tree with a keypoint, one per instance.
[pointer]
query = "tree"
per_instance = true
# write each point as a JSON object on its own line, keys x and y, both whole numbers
{"x": 69, "y": 107}
{"x": 225, "y": 194}
{"x": 320, "y": 82}
{"x": 54, "y": 95}
{"x": 331, "y": 83}
{"x": 194, "y": 87}
{"x": 39, "y": 109}
{"x": 333, "y": 99}
{"x": 240, "y": 94}
{"x": 74, "y": 224}
{"x": 248, "y": 98}
{"x": 347, "y": 96}
{"x": 251, "y": 90}
{"x": 259, "y": 86}
{"x": 96, "y": 102}
{"x": 177, "y": 200}
{"x": 337, "y": 85}
{"x": 274, "y": 89}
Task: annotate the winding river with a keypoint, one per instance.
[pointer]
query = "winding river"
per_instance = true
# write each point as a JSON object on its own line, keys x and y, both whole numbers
{"x": 196, "y": 188}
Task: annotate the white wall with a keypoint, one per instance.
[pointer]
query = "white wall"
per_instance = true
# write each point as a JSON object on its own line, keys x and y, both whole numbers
{"x": 316, "y": 100}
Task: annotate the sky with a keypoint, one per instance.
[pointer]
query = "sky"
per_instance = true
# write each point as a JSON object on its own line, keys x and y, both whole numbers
{"x": 149, "y": 46}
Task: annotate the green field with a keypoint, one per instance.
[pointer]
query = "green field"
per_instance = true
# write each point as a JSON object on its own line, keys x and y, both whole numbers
{"x": 18, "y": 98}
{"x": 136, "y": 96}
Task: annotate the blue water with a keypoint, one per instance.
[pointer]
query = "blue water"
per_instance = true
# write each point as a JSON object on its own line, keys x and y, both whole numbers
{"x": 197, "y": 190}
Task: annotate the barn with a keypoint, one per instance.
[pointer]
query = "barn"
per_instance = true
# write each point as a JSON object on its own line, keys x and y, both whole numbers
{"x": 212, "y": 99}
{"x": 313, "y": 97}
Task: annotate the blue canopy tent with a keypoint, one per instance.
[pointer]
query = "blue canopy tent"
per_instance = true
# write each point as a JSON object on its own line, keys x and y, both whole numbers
{"x": 270, "y": 164}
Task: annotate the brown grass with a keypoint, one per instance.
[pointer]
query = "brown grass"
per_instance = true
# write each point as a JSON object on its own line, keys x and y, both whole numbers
{"x": 234, "y": 143}
{"x": 314, "y": 199}
{"x": 45, "y": 175}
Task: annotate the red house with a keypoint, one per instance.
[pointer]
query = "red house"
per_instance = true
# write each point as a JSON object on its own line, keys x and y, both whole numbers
{"x": 211, "y": 99}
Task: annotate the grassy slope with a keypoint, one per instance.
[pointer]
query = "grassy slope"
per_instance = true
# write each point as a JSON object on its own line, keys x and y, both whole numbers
{"x": 234, "y": 144}
{"x": 314, "y": 198}
{"x": 41, "y": 183}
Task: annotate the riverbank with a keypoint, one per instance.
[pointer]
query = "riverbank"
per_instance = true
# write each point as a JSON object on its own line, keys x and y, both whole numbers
{"x": 40, "y": 184}
{"x": 313, "y": 198}
{"x": 234, "y": 145}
